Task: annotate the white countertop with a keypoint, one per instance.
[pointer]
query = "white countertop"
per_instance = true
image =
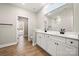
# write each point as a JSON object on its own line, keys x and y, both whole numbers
{"x": 71, "y": 35}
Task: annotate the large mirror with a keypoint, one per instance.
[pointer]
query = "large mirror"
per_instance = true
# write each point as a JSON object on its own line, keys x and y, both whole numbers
{"x": 61, "y": 18}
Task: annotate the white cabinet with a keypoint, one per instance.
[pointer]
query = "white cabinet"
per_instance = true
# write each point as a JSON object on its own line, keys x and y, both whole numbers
{"x": 57, "y": 46}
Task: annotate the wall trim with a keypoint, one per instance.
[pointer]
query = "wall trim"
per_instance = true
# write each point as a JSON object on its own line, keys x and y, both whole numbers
{"x": 9, "y": 44}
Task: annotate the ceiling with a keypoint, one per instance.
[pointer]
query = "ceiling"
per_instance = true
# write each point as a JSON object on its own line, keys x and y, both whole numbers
{"x": 34, "y": 7}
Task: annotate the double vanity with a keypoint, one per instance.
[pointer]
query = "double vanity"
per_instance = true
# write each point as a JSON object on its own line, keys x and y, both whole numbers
{"x": 60, "y": 16}
{"x": 57, "y": 44}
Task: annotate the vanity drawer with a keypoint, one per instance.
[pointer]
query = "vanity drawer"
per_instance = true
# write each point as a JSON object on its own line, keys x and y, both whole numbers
{"x": 72, "y": 42}
{"x": 57, "y": 38}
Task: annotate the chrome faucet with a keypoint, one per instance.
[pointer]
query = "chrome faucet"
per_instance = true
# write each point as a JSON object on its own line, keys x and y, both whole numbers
{"x": 62, "y": 31}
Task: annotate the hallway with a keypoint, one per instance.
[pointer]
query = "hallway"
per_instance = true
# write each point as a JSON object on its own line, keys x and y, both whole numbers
{"x": 23, "y": 48}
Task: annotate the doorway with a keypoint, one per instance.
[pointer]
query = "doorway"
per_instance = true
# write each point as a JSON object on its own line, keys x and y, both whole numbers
{"x": 22, "y": 27}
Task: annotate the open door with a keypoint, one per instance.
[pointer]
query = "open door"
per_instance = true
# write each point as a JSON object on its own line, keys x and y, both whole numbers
{"x": 22, "y": 27}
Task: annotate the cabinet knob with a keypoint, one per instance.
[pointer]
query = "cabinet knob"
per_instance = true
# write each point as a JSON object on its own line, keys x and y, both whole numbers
{"x": 71, "y": 42}
{"x": 57, "y": 44}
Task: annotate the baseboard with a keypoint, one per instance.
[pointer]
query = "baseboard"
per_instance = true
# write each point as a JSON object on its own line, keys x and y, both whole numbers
{"x": 9, "y": 44}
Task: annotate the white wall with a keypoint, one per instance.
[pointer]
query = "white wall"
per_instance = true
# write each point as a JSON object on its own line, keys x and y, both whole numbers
{"x": 41, "y": 18}
{"x": 66, "y": 20}
{"x": 8, "y": 14}
{"x": 76, "y": 17}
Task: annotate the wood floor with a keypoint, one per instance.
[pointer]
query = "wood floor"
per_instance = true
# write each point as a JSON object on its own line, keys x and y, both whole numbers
{"x": 23, "y": 48}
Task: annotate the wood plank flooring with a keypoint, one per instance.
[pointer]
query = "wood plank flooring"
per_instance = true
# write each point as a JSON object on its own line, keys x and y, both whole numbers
{"x": 23, "y": 48}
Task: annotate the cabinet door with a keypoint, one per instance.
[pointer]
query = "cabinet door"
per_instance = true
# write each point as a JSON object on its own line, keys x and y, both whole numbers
{"x": 72, "y": 42}
{"x": 60, "y": 49}
{"x": 66, "y": 50}
{"x": 51, "y": 47}
{"x": 39, "y": 39}
{"x": 44, "y": 42}
{"x": 71, "y": 51}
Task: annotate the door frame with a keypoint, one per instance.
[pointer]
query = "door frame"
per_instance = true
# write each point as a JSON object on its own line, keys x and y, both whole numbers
{"x": 19, "y": 17}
